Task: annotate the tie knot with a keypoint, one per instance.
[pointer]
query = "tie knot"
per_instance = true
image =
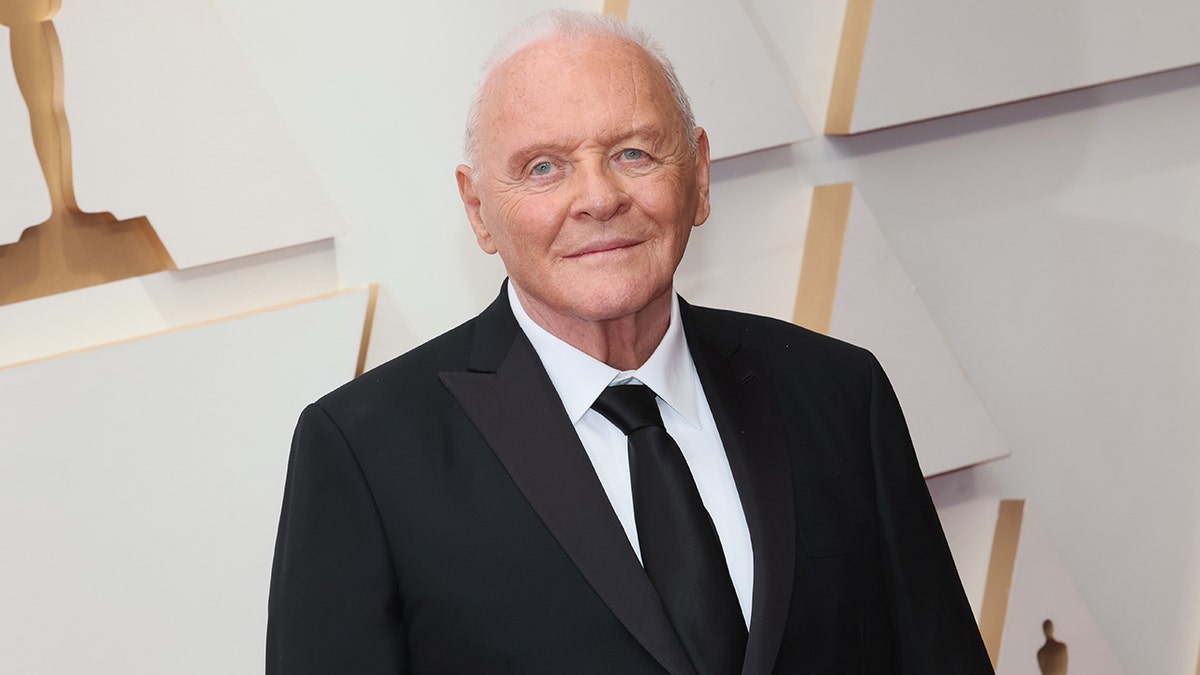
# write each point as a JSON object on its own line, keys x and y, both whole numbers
{"x": 629, "y": 406}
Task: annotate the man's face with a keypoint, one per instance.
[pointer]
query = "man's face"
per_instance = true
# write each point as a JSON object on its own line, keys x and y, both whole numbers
{"x": 588, "y": 189}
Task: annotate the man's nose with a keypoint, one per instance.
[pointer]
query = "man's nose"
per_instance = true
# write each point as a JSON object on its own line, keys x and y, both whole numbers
{"x": 600, "y": 194}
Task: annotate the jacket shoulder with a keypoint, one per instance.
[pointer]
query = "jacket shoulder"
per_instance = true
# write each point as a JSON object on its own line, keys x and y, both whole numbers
{"x": 782, "y": 341}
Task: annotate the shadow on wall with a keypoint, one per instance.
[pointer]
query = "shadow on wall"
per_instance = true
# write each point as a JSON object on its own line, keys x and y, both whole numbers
{"x": 70, "y": 249}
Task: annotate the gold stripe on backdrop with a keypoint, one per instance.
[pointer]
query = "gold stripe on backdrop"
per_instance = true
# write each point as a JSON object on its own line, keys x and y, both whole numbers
{"x": 849, "y": 66}
{"x": 1000, "y": 575}
{"x": 618, "y": 8}
{"x": 368, "y": 325}
{"x": 822, "y": 256}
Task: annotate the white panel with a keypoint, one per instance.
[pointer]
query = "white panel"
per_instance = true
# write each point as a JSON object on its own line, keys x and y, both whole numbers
{"x": 1042, "y": 589}
{"x": 1055, "y": 243}
{"x": 877, "y": 306}
{"x": 140, "y": 488}
{"x": 390, "y": 336}
{"x": 1163, "y": 203}
{"x": 804, "y": 36}
{"x": 747, "y": 256}
{"x": 968, "y": 516}
{"x": 24, "y": 200}
{"x": 168, "y": 121}
{"x": 134, "y": 307}
{"x": 926, "y": 58}
{"x": 738, "y": 93}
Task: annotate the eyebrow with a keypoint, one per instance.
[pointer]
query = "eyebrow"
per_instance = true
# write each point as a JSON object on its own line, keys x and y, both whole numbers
{"x": 519, "y": 157}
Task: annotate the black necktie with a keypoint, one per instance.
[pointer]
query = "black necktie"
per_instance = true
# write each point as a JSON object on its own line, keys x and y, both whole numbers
{"x": 680, "y": 549}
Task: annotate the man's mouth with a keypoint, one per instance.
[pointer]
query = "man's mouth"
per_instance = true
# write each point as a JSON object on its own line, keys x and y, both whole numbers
{"x": 605, "y": 247}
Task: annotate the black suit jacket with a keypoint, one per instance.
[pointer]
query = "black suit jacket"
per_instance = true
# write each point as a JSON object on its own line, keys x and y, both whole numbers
{"x": 441, "y": 516}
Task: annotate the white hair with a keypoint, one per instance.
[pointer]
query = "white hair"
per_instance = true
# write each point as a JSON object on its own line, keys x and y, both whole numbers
{"x": 572, "y": 25}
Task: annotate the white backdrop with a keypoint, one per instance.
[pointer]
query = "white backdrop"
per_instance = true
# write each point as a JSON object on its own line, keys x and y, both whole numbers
{"x": 140, "y": 487}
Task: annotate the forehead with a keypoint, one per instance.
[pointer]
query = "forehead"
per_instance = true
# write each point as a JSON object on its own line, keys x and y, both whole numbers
{"x": 583, "y": 86}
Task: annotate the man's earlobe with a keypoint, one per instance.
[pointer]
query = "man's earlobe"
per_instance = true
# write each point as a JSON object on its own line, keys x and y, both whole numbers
{"x": 471, "y": 203}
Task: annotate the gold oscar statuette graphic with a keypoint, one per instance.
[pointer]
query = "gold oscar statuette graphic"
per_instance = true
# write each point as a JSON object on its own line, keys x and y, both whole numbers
{"x": 71, "y": 249}
{"x": 1052, "y": 657}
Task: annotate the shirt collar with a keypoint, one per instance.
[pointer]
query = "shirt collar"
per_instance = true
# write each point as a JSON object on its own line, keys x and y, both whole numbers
{"x": 578, "y": 378}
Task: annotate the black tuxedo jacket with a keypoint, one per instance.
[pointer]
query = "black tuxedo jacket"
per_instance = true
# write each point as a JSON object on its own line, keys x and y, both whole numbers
{"x": 441, "y": 516}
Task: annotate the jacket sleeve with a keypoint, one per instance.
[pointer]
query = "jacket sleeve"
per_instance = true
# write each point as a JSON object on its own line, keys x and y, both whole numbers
{"x": 933, "y": 629}
{"x": 334, "y": 605}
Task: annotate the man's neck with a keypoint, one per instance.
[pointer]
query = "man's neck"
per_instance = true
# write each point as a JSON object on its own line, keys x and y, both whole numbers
{"x": 624, "y": 342}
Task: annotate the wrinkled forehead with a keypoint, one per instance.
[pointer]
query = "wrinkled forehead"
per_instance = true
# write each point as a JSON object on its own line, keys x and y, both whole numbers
{"x": 559, "y": 73}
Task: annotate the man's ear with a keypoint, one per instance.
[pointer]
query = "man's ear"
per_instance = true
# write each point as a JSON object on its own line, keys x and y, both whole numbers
{"x": 470, "y": 200}
{"x": 703, "y": 163}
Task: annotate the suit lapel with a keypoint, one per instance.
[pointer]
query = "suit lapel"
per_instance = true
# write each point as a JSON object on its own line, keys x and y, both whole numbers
{"x": 510, "y": 399}
{"x": 736, "y": 382}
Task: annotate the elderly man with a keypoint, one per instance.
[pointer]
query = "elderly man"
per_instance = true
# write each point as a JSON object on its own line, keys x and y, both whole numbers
{"x": 593, "y": 476}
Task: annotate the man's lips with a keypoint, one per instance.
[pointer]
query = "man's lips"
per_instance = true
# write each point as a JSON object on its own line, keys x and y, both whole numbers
{"x": 605, "y": 247}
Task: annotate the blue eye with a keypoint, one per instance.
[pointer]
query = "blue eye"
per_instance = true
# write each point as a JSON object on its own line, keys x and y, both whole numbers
{"x": 542, "y": 168}
{"x": 632, "y": 154}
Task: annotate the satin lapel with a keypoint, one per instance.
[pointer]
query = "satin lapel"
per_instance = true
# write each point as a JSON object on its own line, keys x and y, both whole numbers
{"x": 737, "y": 384}
{"x": 514, "y": 406}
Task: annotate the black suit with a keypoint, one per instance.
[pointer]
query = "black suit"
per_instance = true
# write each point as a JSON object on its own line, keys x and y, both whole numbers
{"x": 441, "y": 516}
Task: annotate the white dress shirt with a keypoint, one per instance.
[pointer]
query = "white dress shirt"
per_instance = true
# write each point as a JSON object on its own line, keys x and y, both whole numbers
{"x": 671, "y": 373}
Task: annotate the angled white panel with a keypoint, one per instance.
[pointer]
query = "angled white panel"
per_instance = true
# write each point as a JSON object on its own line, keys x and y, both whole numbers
{"x": 739, "y": 95}
{"x": 1056, "y": 243}
{"x": 1162, "y": 203}
{"x": 747, "y": 256}
{"x": 877, "y": 306}
{"x": 390, "y": 335}
{"x": 24, "y": 200}
{"x": 968, "y": 516}
{"x": 927, "y": 58}
{"x": 804, "y": 36}
{"x": 168, "y": 121}
{"x": 130, "y": 308}
{"x": 1043, "y": 589}
{"x": 140, "y": 488}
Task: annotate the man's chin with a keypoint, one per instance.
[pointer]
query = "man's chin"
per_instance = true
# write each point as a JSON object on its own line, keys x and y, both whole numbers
{"x": 610, "y": 303}
{"x": 598, "y": 298}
